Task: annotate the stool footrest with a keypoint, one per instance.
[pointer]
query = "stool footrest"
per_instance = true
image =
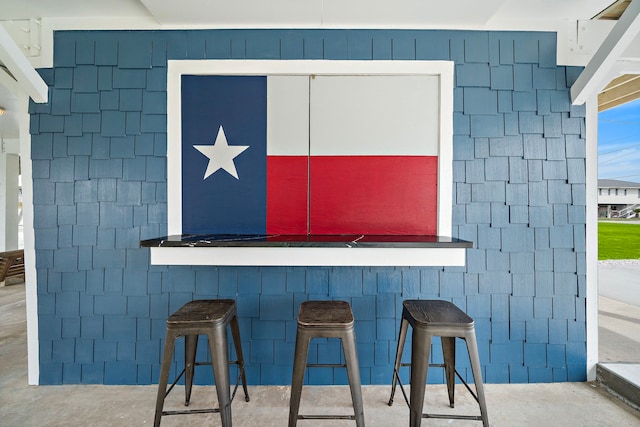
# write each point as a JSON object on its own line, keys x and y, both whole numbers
{"x": 174, "y": 383}
{"x": 231, "y": 362}
{"x": 326, "y": 417}
{"x": 431, "y": 365}
{"x": 455, "y": 417}
{"x": 434, "y": 365}
{"x": 326, "y": 365}
{"x": 192, "y": 411}
{"x": 397, "y": 378}
{"x": 233, "y": 394}
{"x": 467, "y": 386}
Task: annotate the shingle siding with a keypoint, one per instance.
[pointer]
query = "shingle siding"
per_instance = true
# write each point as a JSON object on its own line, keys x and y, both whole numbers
{"x": 99, "y": 167}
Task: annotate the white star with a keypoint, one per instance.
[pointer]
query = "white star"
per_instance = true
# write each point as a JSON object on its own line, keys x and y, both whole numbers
{"x": 221, "y": 155}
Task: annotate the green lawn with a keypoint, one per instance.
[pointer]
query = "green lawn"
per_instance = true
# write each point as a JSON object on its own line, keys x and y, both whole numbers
{"x": 618, "y": 241}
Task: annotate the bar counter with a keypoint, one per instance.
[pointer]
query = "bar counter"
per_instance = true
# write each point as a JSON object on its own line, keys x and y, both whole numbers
{"x": 307, "y": 250}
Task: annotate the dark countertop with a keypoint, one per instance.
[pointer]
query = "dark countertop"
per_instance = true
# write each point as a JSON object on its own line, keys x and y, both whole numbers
{"x": 311, "y": 241}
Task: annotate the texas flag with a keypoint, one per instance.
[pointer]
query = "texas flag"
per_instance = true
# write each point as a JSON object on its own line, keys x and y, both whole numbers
{"x": 309, "y": 154}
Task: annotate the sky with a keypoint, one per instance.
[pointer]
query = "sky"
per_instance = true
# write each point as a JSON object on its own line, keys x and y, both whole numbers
{"x": 619, "y": 142}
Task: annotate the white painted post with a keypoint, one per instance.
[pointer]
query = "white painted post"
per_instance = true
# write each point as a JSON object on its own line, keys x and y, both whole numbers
{"x": 592, "y": 235}
{"x": 9, "y": 219}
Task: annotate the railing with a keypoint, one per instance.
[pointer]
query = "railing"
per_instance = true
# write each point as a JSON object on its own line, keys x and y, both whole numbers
{"x": 628, "y": 211}
{"x": 11, "y": 264}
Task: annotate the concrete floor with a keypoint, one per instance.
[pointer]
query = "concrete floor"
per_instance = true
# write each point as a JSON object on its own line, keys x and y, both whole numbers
{"x": 618, "y": 332}
{"x": 618, "y": 280}
{"x": 562, "y": 404}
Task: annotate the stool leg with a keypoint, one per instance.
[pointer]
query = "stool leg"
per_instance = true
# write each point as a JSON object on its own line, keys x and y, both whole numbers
{"x": 449, "y": 354}
{"x": 167, "y": 356}
{"x": 353, "y": 373}
{"x": 421, "y": 349}
{"x": 297, "y": 378}
{"x": 404, "y": 326}
{"x": 218, "y": 346}
{"x": 474, "y": 357}
{"x": 190, "y": 347}
{"x": 235, "y": 332}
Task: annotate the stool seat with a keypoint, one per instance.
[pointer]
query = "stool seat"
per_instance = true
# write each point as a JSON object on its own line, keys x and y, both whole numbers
{"x": 210, "y": 318}
{"x": 325, "y": 319}
{"x": 435, "y": 313}
{"x": 325, "y": 314}
{"x": 206, "y": 312}
{"x": 431, "y": 318}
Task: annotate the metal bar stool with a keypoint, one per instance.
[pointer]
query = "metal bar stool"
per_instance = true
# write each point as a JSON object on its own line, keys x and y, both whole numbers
{"x": 325, "y": 319}
{"x": 436, "y": 318}
{"x": 210, "y": 318}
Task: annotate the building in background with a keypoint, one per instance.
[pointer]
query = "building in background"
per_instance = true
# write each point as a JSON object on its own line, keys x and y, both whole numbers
{"x": 618, "y": 199}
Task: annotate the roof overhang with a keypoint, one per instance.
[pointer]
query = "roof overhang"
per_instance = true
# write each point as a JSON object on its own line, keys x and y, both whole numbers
{"x": 609, "y": 61}
{"x": 621, "y": 90}
{"x": 18, "y": 71}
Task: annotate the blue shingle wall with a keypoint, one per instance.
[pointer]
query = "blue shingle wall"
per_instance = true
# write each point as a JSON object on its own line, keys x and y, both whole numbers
{"x": 99, "y": 169}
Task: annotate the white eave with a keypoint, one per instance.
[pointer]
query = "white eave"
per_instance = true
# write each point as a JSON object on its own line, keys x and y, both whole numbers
{"x": 609, "y": 60}
{"x": 20, "y": 70}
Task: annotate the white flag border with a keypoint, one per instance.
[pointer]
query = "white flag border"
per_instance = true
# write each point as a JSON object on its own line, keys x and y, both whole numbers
{"x": 176, "y": 68}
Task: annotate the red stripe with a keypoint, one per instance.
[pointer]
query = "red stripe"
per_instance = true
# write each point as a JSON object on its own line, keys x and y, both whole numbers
{"x": 287, "y": 203}
{"x": 373, "y": 195}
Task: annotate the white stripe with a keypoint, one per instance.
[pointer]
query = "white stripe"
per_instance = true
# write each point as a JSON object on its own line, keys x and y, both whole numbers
{"x": 353, "y": 115}
{"x": 288, "y": 115}
{"x": 442, "y": 71}
{"x": 375, "y": 115}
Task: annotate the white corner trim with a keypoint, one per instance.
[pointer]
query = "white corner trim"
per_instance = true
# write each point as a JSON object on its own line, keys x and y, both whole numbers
{"x": 592, "y": 235}
{"x": 30, "y": 272}
{"x": 445, "y": 157}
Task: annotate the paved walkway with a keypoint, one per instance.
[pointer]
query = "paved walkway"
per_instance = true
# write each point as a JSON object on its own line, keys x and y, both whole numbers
{"x": 620, "y": 280}
{"x": 619, "y": 318}
{"x": 618, "y": 331}
{"x": 619, "y": 311}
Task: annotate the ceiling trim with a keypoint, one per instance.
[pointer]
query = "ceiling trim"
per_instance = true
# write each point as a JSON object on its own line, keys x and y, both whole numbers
{"x": 21, "y": 69}
{"x": 613, "y": 11}
{"x": 621, "y": 90}
{"x": 599, "y": 70}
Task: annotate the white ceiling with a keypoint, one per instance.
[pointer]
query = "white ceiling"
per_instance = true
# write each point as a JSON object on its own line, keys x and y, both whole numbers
{"x": 26, "y": 9}
{"x": 463, "y": 14}
{"x": 316, "y": 13}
